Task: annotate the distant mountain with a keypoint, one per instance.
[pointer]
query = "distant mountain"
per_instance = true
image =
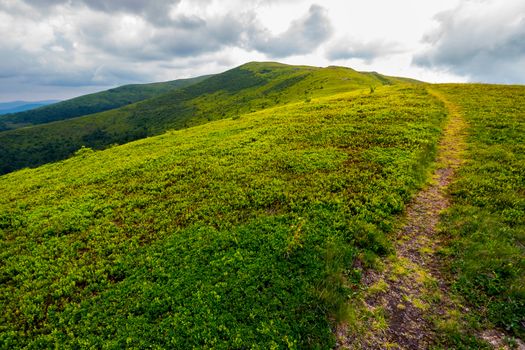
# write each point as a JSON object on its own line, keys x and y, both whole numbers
{"x": 21, "y": 106}
{"x": 250, "y": 87}
{"x": 92, "y": 103}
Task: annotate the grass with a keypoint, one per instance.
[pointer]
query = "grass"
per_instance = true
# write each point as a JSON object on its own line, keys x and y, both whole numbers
{"x": 239, "y": 233}
{"x": 248, "y": 88}
{"x": 486, "y": 222}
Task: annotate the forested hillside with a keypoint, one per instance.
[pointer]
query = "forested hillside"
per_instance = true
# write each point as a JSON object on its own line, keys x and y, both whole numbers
{"x": 92, "y": 103}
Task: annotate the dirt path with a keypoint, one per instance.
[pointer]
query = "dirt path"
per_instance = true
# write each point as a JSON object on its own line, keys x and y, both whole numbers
{"x": 408, "y": 299}
{"x": 410, "y": 286}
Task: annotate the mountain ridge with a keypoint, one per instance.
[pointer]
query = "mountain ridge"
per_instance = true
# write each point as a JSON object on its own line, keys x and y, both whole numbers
{"x": 249, "y": 87}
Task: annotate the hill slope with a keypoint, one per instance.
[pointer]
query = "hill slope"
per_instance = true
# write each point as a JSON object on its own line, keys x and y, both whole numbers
{"x": 240, "y": 233}
{"x": 250, "y": 87}
{"x": 92, "y": 103}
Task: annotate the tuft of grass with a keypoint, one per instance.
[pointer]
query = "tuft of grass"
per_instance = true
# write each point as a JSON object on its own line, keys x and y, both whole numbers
{"x": 380, "y": 286}
{"x": 400, "y": 267}
{"x": 420, "y": 304}
{"x": 379, "y": 320}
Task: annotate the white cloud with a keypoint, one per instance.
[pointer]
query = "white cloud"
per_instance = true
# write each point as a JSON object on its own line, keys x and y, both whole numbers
{"x": 484, "y": 40}
{"x": 64, "y": 46}
{"x": 368, "y": 51}
{"x": 303, "y": 36}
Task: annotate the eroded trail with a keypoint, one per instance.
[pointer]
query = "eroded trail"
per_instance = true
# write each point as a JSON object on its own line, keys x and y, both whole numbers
{"x": 410, "y": 286}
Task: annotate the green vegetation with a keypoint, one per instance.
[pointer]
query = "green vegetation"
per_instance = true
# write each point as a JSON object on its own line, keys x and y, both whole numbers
{"x": 92, "y": 103}
{"x": 246, "y": 219}
{"x": 239, "y": 233}
{"x": 486, "y": 222}
{"x": 248, "y": 88}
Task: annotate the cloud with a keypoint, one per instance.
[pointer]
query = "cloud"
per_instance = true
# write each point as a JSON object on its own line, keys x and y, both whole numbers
{"x": 82, "y": 43}
{"x": 132, "y": 38}
{"x": 348, "y": 48}
{"x": 481, "y": 39}
{"x": 303, "y": 36}
{"x": 156, "y": 12}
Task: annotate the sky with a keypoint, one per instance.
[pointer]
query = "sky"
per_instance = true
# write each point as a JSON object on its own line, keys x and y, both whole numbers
{"x": 58, "y": 49}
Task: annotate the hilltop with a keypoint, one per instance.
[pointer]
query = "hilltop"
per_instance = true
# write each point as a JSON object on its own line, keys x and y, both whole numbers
{"x": 247, "y": 88}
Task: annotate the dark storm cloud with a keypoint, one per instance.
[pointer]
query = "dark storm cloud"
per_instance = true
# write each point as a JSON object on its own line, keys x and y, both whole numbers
{"x": 484, "y": 40}
{"x": 14, "y": 89}
{"x": 187, "y": 36}
{"x": 303, "y": 36}
{"x": 17, "y": 66}
{"x": 154, "y": 11}
{"x": 133, "y": 6}
{"x": 367, "y": 51}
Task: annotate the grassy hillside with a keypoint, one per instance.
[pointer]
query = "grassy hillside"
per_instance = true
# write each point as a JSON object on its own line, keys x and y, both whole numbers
{"x": 92, "y": 103}
{"x": 239, "y": 233}
{"x": 486, "y": 222}
{"x": 248, "y": 88}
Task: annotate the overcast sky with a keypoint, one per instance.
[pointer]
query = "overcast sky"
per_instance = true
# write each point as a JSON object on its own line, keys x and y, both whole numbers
{"x": 59, "y": 49}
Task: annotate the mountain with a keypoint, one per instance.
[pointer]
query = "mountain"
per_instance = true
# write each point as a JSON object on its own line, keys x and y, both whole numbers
{"x": 92, "y": 103}
{"x": 247, "y": 88}
{"x": 276, "y": 224}
{"x": 20, "y": 106}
